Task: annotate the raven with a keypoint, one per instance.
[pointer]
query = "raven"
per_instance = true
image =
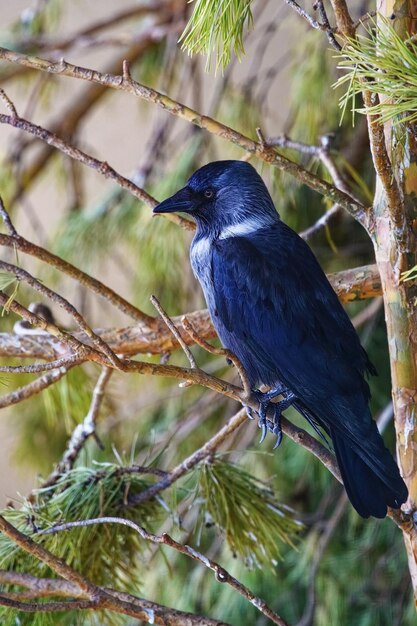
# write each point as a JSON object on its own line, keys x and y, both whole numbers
{"x": 272, "y": 305}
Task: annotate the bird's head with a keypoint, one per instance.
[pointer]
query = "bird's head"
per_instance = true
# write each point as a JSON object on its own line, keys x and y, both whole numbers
{"x": 221, "y": 195}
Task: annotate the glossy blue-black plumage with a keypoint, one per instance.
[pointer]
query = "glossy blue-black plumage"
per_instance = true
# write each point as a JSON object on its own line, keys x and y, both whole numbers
{"x": 273, "y": 306}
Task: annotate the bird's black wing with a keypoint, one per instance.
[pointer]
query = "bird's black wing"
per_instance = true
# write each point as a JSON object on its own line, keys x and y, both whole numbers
{"x": 275, "y": 308}
{"x": 272, "y": 296}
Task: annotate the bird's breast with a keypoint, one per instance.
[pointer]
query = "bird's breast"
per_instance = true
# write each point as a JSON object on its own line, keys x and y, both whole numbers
{"x": 200, "y": 256}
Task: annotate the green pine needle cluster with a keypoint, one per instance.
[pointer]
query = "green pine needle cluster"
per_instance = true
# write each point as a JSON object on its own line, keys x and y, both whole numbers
{"x": 246, "y": 511}
{"x": 388, "y": 65}
{"x": 410, "y": 274}
{"x": 217, "y": 26}
{"x": 106, "y": 554}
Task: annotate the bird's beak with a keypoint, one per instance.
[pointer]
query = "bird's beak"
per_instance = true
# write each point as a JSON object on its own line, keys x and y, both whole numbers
{"x": 181, "y": 201}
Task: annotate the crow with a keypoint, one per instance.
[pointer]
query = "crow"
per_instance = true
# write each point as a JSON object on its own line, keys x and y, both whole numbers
{"x": 273, "y": 307}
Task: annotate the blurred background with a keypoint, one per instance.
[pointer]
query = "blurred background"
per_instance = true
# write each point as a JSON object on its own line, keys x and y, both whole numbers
{"x": 282, "y": 84}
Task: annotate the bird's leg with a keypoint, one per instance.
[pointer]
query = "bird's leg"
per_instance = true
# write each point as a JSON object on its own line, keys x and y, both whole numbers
{"x": 279, "y": 407}
{"x": 264, "y": 399}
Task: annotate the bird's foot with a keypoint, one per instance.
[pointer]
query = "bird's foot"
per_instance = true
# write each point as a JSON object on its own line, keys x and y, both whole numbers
{"x": 264, "y": 400}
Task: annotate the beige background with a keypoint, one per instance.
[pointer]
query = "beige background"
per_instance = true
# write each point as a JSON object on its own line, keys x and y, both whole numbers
{"x": 119, "y": 139}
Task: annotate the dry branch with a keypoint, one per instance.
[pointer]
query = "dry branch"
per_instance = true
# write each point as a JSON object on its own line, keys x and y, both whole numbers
{"x": 125, "y": 83}
{"x": 222, "y": 576}
{"x": 355, "y": 284}
{"x": 96, "y": 598}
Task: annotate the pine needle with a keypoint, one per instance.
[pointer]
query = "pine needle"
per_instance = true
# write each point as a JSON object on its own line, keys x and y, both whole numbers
{"x": 388, "y": 65}
{"x": 105, "y": 554}
{"x": 217, "y": 26}
{"x": 247, "y": 512}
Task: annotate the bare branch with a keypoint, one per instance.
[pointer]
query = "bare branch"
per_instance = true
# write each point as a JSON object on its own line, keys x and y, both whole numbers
{"x": 323, "y": 25}
{"x": 180, "y": 110}
{"x": 41, "y": 367}
{"x": 6, "y": 217}
{"x": 85, "y": 279}
{"x": 83, "y": 431}
{"x": 36, "y": 386}
{"x": 75, "y": 153}
{"x": 97, "y": 341}
{"x": 228, "y": 354}
{"x": 9, "y": 104}
{"x": 176, "y": 333}
{"x": 319, "y": 5}
{"x": 221, "y": 574}
{"x": 86, "y": 33}
{"x": 73, "y": 343}
{"x": 57, "y": 565}
{"x": 191, "y": 461}
{"x": 322, "y": 544}
{"x": 41, "y": 587}
{"x": 350, "y": 285}
{"x": 46, "y": 607}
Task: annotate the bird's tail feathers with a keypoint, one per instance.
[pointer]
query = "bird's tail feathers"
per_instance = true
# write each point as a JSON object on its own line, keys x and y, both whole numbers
{"x": 371, "y": 477}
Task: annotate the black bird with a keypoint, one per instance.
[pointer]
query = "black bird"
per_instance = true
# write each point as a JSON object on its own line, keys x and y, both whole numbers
{"x": 273, "y": 306}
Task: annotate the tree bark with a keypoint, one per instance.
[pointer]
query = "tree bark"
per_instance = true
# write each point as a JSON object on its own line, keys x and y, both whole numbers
{"x": 395, "y": 242}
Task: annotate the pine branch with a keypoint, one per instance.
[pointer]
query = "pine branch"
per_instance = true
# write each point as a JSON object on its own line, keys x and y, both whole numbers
{"x": 100, "y": 345}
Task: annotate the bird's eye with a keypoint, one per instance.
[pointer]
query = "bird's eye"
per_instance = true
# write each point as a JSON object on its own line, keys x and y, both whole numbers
{"x": 209, "y": 193}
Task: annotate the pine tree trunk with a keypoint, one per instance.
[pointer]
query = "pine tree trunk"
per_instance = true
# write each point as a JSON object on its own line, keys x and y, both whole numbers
{"x": 395, "y": 242}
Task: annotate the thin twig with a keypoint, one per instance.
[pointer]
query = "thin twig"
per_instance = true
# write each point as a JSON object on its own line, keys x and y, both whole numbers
{"x": 36, "y": 386}
{"x": 192, "y": 460}
{"x": 6, "y": 220}
{"x": 176, "y": 333}
{"x": 83, "y": 431}
{"x": 322, "y": 544}
{"x": 228, "y": 354}
{"x": 9, "y": 104}
{"x": 75, "y": 153}
{"x": 320, "y": 223}
{"x": 86, "y": 33}
{"x": 322, "y": 152}
{"x": 221, "y": 574}
{"x": 24, "y": 276}
{"x": 39, "y": 552}
{"x": 40, "y": 367}
{"x": 23, "y": 245}
{"x": 326, "y": 24}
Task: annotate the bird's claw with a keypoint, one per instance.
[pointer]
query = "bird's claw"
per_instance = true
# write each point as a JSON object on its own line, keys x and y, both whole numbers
{"x": 264, "y": 424}
{"x": 249, "y": 413}
{"x": 277, "y": 430}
